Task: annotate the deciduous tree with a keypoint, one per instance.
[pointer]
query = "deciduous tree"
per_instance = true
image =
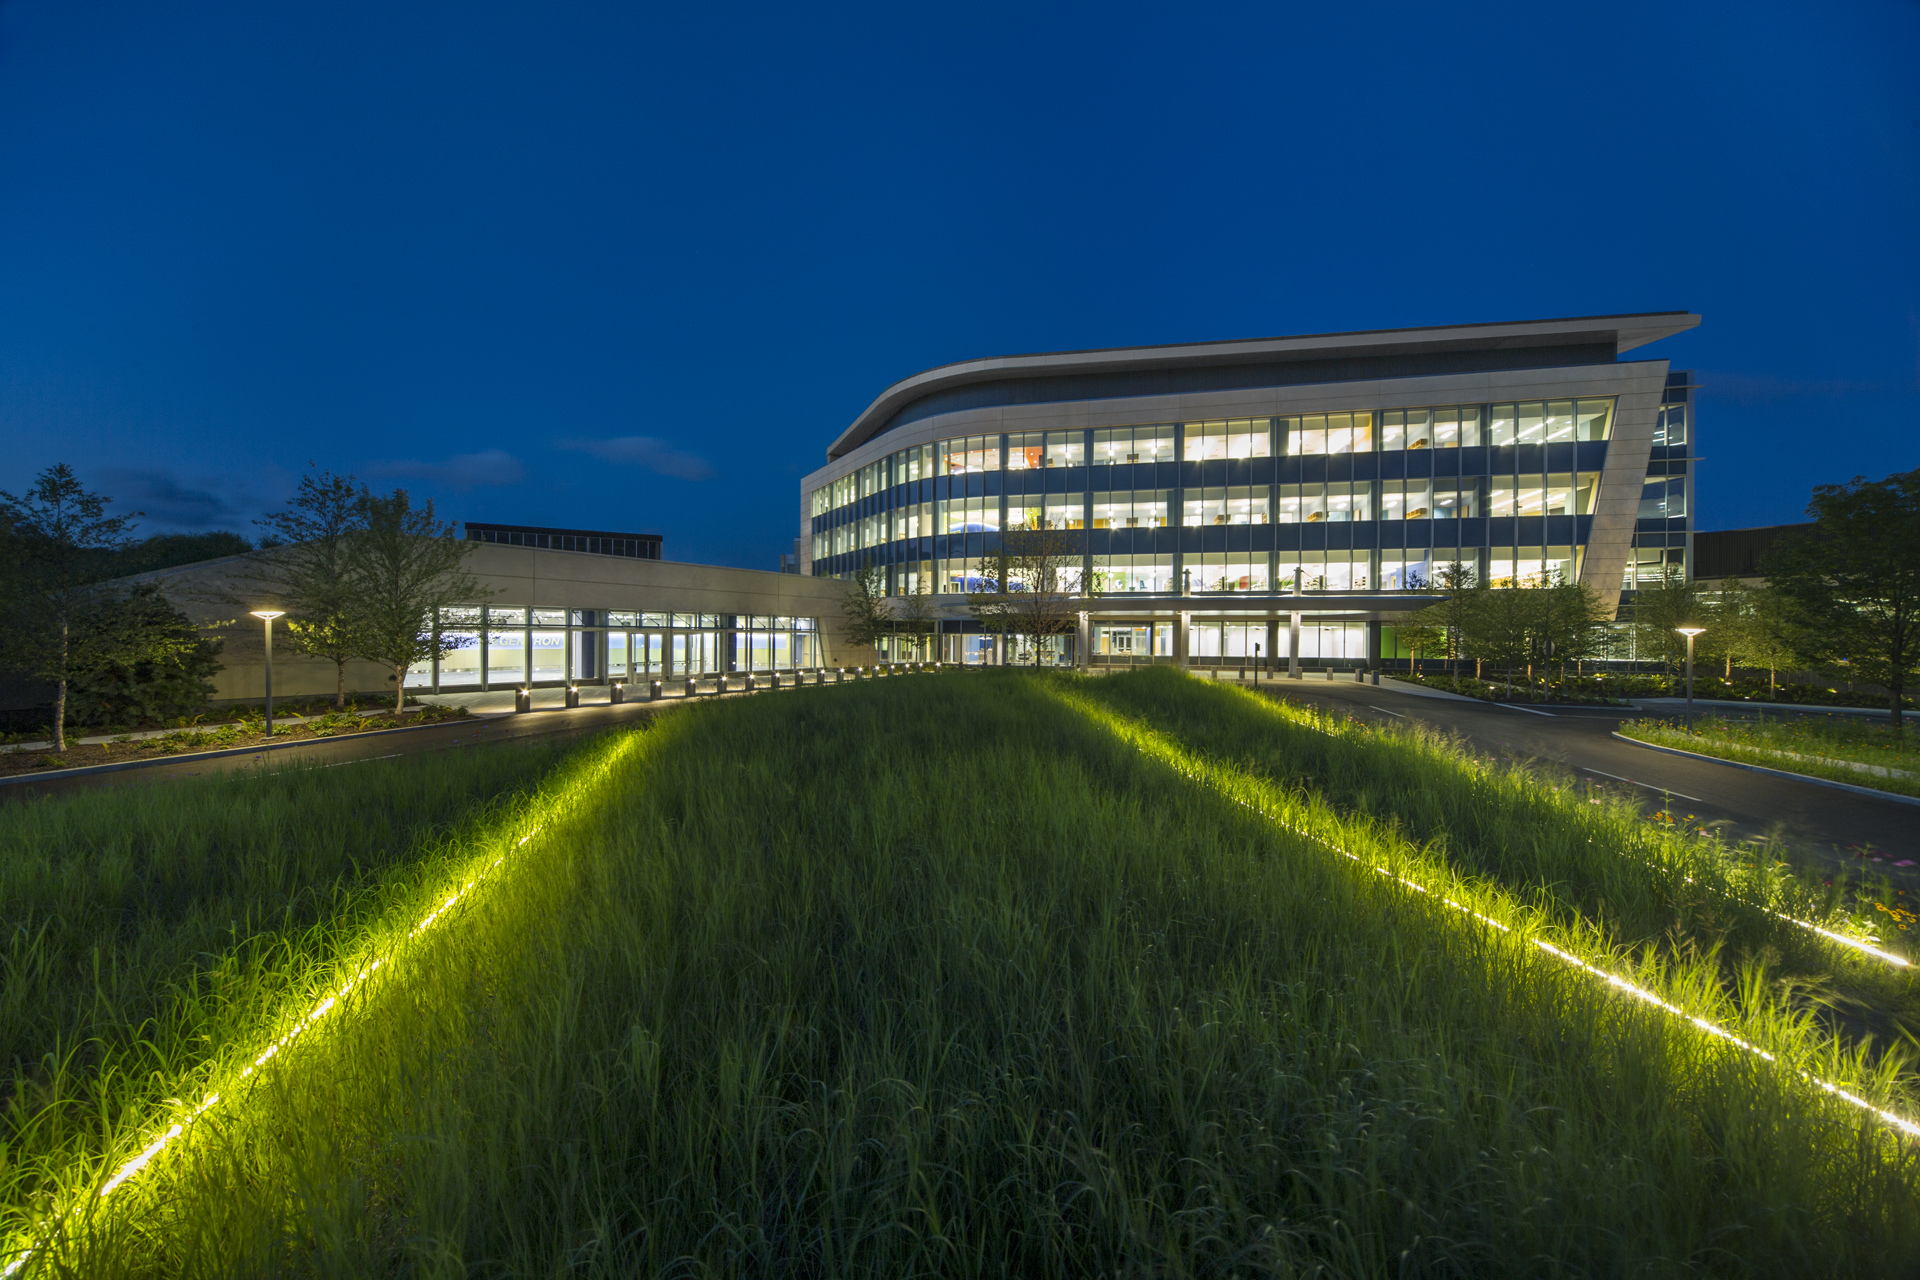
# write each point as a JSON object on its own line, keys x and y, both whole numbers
{"x": 1658, "y": 609}
{"x": 61, "y": 620}
{"x": 310, "y": 573}
{"x": 915, "y": 618}
{"x": 864, "y": 607}
{"x": 402, "y": 565}
{"x": 1853, "y": 581}
{"x": 1042, "y": 568}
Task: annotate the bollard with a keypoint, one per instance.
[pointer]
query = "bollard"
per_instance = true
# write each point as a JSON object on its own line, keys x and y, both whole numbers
{"x": 653, "y": 691}
{"x": 693, "y": 687}
{"x": 1329, "y": 673}
{"x": 617, "y": 694}
{"x": 750, "y": 682}
{"x": 1359, "y": 675}
{"x": 839, "y": 675}
{"x": 523, "y": 699}
{"x": 1376, "y": 676}
{"x": 573, "y": 695}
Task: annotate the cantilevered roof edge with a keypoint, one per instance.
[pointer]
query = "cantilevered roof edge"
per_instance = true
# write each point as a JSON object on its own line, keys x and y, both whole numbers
{"x": 1624, "y": 332}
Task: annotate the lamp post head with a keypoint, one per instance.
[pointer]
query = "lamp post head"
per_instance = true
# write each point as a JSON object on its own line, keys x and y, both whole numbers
{"x": 1690, "y": 632}
{"x": 268, "y": 615}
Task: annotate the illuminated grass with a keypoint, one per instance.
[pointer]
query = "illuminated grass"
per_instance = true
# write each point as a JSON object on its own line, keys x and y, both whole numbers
{"x": 147, "y": 925}
{"x": 1822, "y": 748}
{"x": 1563, "y": 847}
{"x": 964, "y": 975}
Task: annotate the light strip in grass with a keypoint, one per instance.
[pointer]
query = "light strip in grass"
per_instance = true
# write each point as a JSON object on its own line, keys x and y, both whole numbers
{"x": 1308, "y": 721}
{"x": 144, "y": 1160}
{"x": 1150, "y": 743}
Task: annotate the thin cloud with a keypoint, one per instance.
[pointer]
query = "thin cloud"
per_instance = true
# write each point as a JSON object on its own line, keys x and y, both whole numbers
{"x": 647, "y": 453}
{"x": 462, "y": 471}
{"x": 165, "y": 499}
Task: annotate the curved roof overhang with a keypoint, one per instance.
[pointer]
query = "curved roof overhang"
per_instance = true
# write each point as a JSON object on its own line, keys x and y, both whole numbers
{"x": 1619, "y": 333}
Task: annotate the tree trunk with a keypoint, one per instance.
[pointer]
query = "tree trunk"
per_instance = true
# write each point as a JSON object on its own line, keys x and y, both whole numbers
{"x": 60, "y": 693}
{"x": 60, "y": 715}
{"x": 340, "y": 684}
{"x": 1899, "y": 689}
{"x": 399, "y": 690}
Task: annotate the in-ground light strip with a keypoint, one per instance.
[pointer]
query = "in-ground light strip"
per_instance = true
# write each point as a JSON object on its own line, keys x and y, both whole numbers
{"x": 138, "y": 1164}
{"x": 1889, "y": 957}
{"x": 1892, "y": 1120}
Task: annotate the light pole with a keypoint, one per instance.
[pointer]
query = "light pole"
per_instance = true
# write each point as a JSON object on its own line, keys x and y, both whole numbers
{"x": 1256, "y": 664}
{"x": 1689, "y": 633}
{"x": 266, "y": 617}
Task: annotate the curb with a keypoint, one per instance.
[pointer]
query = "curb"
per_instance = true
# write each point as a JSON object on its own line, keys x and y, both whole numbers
{"x": 85, "y": 770}
{"x": 123, "y": 765}
{"x": 1717, "y": 704}
{"x": 1877, "y": 794}
{"x": 1421, "y": 691}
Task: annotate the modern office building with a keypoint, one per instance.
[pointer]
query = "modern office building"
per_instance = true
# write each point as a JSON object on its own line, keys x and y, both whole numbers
{"x": 1207, "y": 479}
{"x": 560, "y": 606}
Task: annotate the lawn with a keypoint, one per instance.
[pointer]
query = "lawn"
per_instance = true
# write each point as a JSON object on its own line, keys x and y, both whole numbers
{"x": 985, "y": 974}
{"x": 1823, "y": 747}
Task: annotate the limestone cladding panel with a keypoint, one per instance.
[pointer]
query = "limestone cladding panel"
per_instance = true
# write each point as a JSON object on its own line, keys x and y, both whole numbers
{"x": 1616, "y": 500}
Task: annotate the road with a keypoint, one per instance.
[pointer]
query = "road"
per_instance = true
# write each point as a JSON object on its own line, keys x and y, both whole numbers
{"x": 1818, "y": 827}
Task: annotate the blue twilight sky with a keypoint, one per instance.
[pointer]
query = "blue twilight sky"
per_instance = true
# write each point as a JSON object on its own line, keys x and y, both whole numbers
{"x": 632, "y": 268}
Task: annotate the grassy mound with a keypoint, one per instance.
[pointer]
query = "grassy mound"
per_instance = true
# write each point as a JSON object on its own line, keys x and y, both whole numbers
{"x": 961, "y": 975}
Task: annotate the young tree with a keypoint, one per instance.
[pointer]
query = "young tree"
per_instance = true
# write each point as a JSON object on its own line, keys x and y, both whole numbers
{"x": 914, "y": 617}
{"x": 1660, "y": 608}
{"x": 402, "y": 566}
{"x": 864, "y": 608}
{"x": 1455, "y": 614}
{"x": 1504, "y": 624}
{"x": 1769, "y": 637}
{"x": 1042, "y": 570}
{"x": 62, "y": 622}
{"x": 989, "y": 598}
{"x": 310, "y": 571}
{"x": 1853, "y": 582}
{"x": 1567, "y": 622}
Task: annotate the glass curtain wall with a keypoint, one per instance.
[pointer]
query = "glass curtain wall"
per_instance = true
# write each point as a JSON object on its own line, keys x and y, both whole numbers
{"x": 929, "y": 513}
{"x": 508, "y": 647}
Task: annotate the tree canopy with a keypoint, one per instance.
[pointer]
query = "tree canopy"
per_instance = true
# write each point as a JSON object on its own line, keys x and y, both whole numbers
{"x": 1851, "y": 584}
